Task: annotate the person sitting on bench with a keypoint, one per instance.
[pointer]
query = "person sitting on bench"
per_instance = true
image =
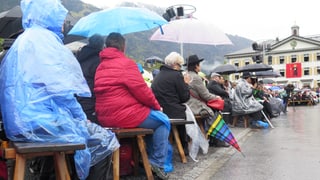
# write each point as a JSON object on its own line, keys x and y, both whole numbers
{"x": 124, "y": 100}
{"x": 39, "y": 80}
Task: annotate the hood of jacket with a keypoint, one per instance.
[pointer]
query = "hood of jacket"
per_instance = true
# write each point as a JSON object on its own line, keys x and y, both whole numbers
{"x": 49, "y": 14}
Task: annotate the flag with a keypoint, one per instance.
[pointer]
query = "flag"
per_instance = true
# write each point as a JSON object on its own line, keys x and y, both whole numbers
{"x": 293, "y": 70}
{"x": 220, "y": 130}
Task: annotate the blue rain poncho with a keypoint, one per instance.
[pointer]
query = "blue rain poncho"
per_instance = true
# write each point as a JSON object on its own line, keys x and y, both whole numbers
{"x": 39, "y": 78}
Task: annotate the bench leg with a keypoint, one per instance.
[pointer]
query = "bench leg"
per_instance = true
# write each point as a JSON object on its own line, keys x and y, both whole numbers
{"x": 20, "y": 167}
{"x": 116, "y": 164}
{"x": 200, "y": 124}
{"x": 61, "y": 166}
{"x": 144, "y": 156}
{"x": 178, "y": 143}
{"x": 234, "y": 121}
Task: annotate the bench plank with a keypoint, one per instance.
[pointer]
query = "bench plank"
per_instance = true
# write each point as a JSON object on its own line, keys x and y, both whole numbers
{"x": 37, "y": 147}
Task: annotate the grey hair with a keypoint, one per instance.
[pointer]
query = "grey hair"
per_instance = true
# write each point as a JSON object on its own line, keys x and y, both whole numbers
{"x": 174, "y": 58}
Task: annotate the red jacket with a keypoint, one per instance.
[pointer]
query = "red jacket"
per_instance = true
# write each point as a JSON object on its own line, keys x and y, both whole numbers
{"x": 123, "y": 99}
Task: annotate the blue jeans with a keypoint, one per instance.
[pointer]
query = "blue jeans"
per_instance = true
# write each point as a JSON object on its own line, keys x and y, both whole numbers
{"x": 157, "y": 143}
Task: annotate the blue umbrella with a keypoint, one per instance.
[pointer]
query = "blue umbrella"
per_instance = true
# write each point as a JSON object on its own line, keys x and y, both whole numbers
{"x": 123, "y": 20}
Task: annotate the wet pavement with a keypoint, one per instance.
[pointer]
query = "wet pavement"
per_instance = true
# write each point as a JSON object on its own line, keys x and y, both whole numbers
{"x": 290, "y": 151}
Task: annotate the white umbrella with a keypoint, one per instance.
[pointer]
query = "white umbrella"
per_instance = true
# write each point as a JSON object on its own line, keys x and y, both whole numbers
{"x": 191, "y": 30}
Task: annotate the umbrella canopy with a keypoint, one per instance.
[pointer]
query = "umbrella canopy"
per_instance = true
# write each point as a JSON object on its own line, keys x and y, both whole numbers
{"x": 154, "y": 59}
{"x": 191, "y": 30}
{"x": 220, "y": 130}
{"x": 255, "y": 68}
{"x": 225, "y": 69}
{"x": 123, "y": 20}
{"x": 266, "y": 81}
{"x": 10, "y": 22}
{"x": 265, "y": 74}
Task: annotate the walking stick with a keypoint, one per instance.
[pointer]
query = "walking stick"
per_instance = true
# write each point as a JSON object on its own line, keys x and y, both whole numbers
{"x": 269, "y": 122}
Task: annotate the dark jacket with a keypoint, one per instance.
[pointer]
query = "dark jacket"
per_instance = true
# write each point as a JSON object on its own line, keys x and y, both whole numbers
{"x": 171, "y": 91}
{"x": 89, "y": 60}
{"x": 215, "y": 88}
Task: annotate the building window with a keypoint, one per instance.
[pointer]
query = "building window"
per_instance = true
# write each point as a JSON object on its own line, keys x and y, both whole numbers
{"x": 306, "y": 71}
{"x": 281, "y": 71}
{"x": 269, "y": 60}
{"x": 306, "y": 57}
{"x": 293, "y": 58}
{"x": 318, "y": 70}
{"x": 236, "y": 64}
{"x": 281, "y": 58}
{"x": 246, "y": 63}
{"x": 318, "y": 56}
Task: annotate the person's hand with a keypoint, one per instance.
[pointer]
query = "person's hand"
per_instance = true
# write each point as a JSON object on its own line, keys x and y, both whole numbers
{"x": 187, "y": 78}
{"x": 218, "y": 97}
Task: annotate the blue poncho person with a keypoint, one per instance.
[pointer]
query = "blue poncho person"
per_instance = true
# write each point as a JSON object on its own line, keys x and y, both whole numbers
{"x": 39, "y": 78}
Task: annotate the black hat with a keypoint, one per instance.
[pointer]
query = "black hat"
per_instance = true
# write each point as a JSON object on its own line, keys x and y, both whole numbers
{"x": 193, "y": 59}
{"x": 246, "y": 75}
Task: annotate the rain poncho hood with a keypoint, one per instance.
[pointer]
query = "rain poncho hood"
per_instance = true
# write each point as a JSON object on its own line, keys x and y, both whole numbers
{"x": 39, "y": 77}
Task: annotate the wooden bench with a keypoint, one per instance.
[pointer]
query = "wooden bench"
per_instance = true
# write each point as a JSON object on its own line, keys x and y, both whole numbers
{"x": 137, "y": 134}
{"x": 245, "y": 120}
{"x": 21, "y": 151}
{"x": 297, "y": 102}
{"x": 174, "y": 124}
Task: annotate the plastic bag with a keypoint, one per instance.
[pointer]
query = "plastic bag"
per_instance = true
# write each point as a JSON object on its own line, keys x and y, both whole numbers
{"x": 198, "y": 139}
{"x": 168, "y": 166}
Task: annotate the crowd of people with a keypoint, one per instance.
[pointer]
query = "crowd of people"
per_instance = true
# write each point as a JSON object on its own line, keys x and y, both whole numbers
{"x": 74, "y": 99}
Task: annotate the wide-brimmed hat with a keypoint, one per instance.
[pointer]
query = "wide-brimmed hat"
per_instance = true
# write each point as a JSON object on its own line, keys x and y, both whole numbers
{"x": 193, "y": 59}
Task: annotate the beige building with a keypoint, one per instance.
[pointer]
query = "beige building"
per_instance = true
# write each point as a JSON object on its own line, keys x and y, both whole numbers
{"x": 296, "y": 58}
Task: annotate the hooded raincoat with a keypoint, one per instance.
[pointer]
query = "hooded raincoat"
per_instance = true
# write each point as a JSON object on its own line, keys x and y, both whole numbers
{"x": 39, "y": 77}
{"x": 243, "y": 101}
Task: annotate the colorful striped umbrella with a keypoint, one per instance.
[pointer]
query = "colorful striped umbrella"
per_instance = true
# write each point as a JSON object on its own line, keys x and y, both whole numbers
{"x": 220, "y": 130}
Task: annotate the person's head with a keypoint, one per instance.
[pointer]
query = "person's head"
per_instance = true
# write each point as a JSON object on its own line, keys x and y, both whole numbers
{"x": 193, "y": 63}
{"x": 96, "y": 41}
{"x": 216, "y": 77}
{"x": 174, "y": 60}
{"x": 116, "y": 40}
{"x": 49, "y": 14}
{"x": 248, "y": 77}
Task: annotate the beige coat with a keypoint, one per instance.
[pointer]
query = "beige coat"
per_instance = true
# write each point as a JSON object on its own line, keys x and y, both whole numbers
{"x": 199, "y": 90}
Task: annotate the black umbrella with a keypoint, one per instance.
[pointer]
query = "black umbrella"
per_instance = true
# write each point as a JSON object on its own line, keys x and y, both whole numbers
{"x": 154, "y": 59}
{"x": 225, "y": 69}
{"x": 266, "y": 81}
{"x": 10, "y": 22}
{"x": 267, "y": 74}
{"x": 255, "y": 68}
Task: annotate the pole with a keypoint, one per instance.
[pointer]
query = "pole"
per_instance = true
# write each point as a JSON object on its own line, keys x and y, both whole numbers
{"x": 181, "y": 49}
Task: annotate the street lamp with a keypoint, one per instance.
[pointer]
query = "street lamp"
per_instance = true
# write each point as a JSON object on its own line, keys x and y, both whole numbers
{"x": 260, "y": 51}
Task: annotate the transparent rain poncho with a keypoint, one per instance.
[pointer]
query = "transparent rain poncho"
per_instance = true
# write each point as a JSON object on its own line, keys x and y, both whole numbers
{"x": 39, "y": 78}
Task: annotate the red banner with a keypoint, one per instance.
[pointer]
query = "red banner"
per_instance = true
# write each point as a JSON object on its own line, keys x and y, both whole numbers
{"x": 293, "y": 70}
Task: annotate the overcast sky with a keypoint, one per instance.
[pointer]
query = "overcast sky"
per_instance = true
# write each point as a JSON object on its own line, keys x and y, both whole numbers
{"x": 252, "y": 19}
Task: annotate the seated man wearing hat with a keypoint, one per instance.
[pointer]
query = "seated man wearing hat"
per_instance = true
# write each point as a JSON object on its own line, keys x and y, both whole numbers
{"x": 216, "y": 86}
{"x": 244, "y": 103}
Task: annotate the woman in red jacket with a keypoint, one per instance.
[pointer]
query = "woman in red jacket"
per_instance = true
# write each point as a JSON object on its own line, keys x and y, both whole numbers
{"x": 124, "y": 100}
